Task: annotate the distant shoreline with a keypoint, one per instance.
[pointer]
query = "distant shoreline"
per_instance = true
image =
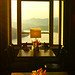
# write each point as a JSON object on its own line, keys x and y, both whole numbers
{"x": 44, "y": 38}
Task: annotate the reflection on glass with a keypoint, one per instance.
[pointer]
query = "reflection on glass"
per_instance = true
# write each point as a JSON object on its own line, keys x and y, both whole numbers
{"x": 62, "y": 13}
{"x": 55, "y": 22}
{"x": 35, "y": 15}
{"x": 14, "y": 21}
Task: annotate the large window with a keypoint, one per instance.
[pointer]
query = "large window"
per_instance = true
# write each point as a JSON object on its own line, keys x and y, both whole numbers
{"x": 14, "y": 21}
{"x": 47, "y": 15}
{"x": 35, "y": 14}
{"x": 55, "y": 22}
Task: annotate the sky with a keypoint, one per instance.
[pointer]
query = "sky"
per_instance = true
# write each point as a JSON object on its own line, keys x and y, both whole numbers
{"x": 33, "y": 9}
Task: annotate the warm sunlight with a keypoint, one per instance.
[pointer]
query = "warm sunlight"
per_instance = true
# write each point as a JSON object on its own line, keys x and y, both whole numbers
{"x": 14, "y": 9}
{"x": 35, "y": 14}
{"x": 14, "y": 20}
{"x": 56, "y": 8}
{"x": 31, "y": 9}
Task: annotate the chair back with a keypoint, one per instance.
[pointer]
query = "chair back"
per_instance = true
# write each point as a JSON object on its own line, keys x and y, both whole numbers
{"x": 11, "y": 53}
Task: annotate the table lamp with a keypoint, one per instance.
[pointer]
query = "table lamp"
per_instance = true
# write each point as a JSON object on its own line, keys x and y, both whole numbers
{"x": 35, "y": 33}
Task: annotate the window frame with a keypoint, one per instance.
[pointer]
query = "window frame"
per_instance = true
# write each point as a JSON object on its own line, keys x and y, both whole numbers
{"x": 19, "y": 43}
{"x": 41, "y": 31}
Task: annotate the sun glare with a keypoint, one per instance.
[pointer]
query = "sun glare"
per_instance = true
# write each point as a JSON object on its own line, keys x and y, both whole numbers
{"x": 35, "y": 9}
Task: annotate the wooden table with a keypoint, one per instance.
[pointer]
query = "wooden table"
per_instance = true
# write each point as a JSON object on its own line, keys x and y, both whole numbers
{"x": 47, "y": 73}
{"x": 37, "y": 58}
{"x": 35, "y": 53}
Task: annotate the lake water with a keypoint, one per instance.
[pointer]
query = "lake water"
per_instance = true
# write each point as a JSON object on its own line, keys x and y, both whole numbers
{"x": 44, "y": 38}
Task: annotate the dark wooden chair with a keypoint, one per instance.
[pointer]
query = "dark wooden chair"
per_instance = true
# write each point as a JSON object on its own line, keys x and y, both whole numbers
{"x": 58, "y": 64}
{"x": 16, "y": 64}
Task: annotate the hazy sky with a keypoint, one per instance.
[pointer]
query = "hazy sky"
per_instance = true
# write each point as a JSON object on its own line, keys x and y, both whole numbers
{"x": 33, "y": 9}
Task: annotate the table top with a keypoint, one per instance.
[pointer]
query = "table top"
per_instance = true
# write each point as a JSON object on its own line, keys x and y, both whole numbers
{"x": 35, "y": 53}
{"x": 47, "y": 73}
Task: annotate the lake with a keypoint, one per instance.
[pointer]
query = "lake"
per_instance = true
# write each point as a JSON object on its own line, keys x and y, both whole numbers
{"x": 44, "y": 38}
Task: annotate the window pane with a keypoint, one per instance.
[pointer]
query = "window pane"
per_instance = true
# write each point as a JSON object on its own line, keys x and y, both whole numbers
{"x": 14, "y": 21}
{"x": 35, "y": 15}
{"x": 55, "y": 22}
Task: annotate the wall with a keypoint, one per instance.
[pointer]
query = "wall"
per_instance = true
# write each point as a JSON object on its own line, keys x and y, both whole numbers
{"x": 0, "y": 23}
{"x": 72, "y": 35}
{"x": 4, "y": 25}
{"x": 69, "y": 34}
{"x": 4, "y": 21}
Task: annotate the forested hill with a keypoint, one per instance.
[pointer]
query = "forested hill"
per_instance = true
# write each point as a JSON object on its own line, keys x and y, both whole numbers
{"x": 35, "y": 23}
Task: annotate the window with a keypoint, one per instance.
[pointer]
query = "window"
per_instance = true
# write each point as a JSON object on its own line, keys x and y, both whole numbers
{"x": 47, "y": 15}
{"x": 14, "y": 21}
{"x": 55, "y": 22}
{"x": 34, "y": 14}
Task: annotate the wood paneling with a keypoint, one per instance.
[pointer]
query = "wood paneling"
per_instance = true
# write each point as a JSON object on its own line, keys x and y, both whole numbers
{"x": 0, "y": 24}
{"x": 3, "y": 24}
{"x": 3, "y": 34}
{"x": 17, "y": 74}
{"x": 69, "y": 34}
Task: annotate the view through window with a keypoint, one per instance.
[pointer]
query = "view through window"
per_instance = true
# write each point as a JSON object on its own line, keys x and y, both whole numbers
{"x": 35, "y": 14}
{"x": 55, "y": 22}
{"x": 14, "y": 21}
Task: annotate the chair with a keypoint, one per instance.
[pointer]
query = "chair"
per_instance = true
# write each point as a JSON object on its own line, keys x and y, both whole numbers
{"x": 58, "y": 65}
{"x": 16, "y": 64}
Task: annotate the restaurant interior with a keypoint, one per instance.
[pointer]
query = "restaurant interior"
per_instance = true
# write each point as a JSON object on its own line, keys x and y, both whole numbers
{"x": 24, "y": 58}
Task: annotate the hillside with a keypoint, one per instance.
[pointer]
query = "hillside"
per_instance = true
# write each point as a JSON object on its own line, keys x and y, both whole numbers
{"x": 39, "y": 23}
{"x": 35, "y": 23}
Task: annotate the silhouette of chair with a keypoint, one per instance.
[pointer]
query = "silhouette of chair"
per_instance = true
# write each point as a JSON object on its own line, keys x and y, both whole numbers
{"x": 16, "y": 64}
{"x": 58, "y": 65}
